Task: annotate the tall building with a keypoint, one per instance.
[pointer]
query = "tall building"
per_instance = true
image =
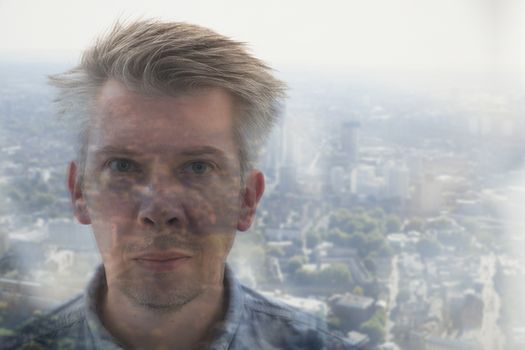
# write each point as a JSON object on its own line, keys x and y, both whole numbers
{"x": 427, "y": 197}
{"x": 350, "y": 141}
{"x": 273, "y": 153}
{"x": 288, "y": 168}
{"x": 397, "y": 181}
{"x": 288, "y": 178}
{"x": 365, "y": 182}
{"x": 337, "y": 180}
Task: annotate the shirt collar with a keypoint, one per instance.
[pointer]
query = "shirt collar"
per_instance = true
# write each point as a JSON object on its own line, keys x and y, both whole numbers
{"x": 101, "y": 337}
{"x": 224, "y": 331}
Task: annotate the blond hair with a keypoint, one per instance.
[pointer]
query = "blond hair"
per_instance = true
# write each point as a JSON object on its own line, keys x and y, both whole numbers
{"x": 168, "y": 58}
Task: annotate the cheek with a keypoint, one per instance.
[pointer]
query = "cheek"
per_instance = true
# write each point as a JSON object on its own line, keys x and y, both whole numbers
{"x": 111, "y": 199}
{"x": 105, "y": 235}
{"x": 215, "y": 249}
{"x": 214, "y": 211}
{"x": 112, "y": 217}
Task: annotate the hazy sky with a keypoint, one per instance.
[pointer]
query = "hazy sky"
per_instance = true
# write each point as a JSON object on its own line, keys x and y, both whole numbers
{"x": 375, "y": 34}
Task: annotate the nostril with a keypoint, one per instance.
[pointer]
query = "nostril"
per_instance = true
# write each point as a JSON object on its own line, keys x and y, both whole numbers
{"x": 148, "y": 221}
{"x": 172, "y": 221}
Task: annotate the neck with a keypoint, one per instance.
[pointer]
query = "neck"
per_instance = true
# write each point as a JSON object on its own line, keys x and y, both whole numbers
{"x": 140, "y": 327}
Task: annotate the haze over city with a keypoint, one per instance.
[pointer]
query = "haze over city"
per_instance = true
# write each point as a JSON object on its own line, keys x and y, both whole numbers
{"x": 395, "y": 182}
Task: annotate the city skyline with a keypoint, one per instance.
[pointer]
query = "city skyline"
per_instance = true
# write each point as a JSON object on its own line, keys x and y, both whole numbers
{"x": 412, "y": 201}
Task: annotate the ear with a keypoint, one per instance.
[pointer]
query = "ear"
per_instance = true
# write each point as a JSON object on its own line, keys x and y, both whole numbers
{"x": 253, "y": 191}
{"x": 77, "y": 197}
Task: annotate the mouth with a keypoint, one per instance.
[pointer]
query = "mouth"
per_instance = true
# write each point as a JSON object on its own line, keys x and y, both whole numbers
{"x": 162, "y": 262}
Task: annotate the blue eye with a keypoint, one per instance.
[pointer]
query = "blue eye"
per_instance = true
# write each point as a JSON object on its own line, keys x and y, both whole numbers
{"x": 198, "y": 167}
{"x": 122, "y": 165}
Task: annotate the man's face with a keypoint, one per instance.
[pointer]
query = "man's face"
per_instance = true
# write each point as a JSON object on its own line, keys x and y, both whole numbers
{"x": 162, "y": 191}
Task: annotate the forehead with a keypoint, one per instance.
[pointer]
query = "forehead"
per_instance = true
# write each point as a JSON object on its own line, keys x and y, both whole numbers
{"x": 127, "y": 119}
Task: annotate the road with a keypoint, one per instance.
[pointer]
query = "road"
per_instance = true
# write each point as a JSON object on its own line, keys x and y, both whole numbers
{"x": 490, "y": 333}
{"x": 393, "y": 288}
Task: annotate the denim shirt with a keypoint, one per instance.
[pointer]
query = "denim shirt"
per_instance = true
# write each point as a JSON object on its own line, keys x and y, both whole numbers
{"x": 252, "y": 321}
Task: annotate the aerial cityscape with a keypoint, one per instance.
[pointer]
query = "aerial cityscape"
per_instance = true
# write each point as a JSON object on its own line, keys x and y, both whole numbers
{"x": 393, "y": 212}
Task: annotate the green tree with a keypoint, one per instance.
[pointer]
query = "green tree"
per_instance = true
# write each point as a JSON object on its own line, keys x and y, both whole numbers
{"x": 297, "y": 242}
{"x": 373, "y": 242}
{"x": 369, "y": 224}
{"x": 374, "y": 327}
{"x": 306, "y": 277}
{"x": 369, "y": 264}
{"x": 336, "y": 276}
{"x": 4, "y": 332}
{"x": 295, "y": 263}
{"x": 358, "y": 291}
{"x": 338, "y": 237}
{"x": 385, "y": 250}
{"x": 338, "y": 217}
{"x": 392, "y": 223}
{"x": 374, "y": 331}
{"x": 378, "y": 213}
{"x": 313, "y": 238}
{"x": 358, "y": 240}
{"x": 333, "y": 322}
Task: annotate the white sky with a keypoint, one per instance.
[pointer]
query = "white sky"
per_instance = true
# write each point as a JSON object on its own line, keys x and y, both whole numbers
{"x": 386, "y": 34}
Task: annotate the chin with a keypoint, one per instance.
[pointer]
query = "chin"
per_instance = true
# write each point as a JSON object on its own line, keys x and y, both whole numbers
{"x": 159, "y": 298}
{"x": 159, "y": 291}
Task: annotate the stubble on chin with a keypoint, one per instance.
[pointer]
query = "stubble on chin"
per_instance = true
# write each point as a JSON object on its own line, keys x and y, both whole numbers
{"x": 160, "y": 295}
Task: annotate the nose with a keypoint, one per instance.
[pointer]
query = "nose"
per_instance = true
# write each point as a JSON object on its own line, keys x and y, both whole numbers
{"x": 161, "y": 207}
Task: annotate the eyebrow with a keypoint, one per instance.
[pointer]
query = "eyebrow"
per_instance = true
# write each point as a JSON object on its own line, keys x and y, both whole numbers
{"x": 189, "y": 152}
{"x": 203, "y": 150}
{"x": 113, "y": 150}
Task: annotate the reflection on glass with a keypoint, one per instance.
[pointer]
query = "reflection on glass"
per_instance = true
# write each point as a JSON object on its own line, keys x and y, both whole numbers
{"x": 392, "y": 211}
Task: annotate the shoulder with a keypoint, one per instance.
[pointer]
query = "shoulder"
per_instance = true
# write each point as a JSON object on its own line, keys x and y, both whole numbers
{"x": 257, "y": 303}
{"x": 50, "y": 330}
{"x": 287, "y": 327}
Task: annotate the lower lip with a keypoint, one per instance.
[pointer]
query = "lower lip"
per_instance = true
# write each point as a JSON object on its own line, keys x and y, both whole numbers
{"x": 162, "y": 265}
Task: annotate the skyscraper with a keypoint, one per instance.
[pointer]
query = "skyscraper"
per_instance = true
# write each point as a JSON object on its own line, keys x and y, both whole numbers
{"x": 349, "y": 141}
